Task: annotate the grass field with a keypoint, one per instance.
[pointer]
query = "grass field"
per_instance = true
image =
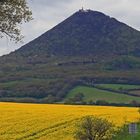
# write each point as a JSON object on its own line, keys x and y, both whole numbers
{"x": 131, "y": 89}
{"x": 53, "y": 122}
{"x": 119, "y": 86}
{"x": 95, "y": 94}
{"x": 135, "y": 92}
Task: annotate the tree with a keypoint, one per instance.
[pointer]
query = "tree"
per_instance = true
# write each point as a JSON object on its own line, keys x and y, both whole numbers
{"x": 12, "y": 14}
{"x": 79, "y": 97}
{"x": 139, "y": 110}
{"x": 91, "y": 102}
{"x": 101, "y": 102}
{"x": 134, "y": 103}
{"x": 92, "y": 128}
{"x": 50, "y": 99}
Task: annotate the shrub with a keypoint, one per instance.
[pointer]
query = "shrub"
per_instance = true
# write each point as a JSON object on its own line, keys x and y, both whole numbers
{"x": 92, "y": 128}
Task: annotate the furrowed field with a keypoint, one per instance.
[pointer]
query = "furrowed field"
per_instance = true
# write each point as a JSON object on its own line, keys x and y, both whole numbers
{"x": 53, "y": 122}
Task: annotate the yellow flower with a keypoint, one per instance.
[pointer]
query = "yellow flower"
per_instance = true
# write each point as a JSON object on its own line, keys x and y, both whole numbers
{"x": 54, "y": 122}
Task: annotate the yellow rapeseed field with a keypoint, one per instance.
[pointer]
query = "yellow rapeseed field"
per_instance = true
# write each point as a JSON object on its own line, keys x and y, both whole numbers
{"x": 53, "y": 122}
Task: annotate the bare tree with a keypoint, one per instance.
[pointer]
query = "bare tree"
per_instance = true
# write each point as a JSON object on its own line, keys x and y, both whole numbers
{"x": 92, "y": 128}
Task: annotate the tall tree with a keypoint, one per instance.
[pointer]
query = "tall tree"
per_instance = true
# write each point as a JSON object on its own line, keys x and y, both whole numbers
{"x": 12, "y": 14}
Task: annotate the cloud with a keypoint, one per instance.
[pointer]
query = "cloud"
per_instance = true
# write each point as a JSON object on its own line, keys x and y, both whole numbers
{"x": 48, "y": 13}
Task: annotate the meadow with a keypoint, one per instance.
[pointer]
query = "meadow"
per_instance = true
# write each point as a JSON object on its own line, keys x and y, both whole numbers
{"x": 131, "y": 89}
{"x": 95, "y": 94}
{"x": 119, "y": 86}
{"x": 54, "y": 122}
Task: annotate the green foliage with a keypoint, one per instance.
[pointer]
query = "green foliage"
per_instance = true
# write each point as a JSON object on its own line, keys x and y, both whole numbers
{"x": 94, "y": 94}
{"x": 92, "y": 128}
{"x": 101, "y": 102}
{"x": 123, "y": 134}
{"x": 119, "y": 86}
{"x": 78, "y": 98}
{"x": 12, "y": 14}
{"x": 49, "y": 99}
{"x": 85, "y": 49}
{"x": 86, "y": 34}
{"x": 124, "y": 63}
{"x": 139, "y": 110}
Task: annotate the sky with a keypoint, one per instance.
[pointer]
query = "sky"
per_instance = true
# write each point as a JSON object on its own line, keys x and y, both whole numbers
{"x": 48, "y": 13}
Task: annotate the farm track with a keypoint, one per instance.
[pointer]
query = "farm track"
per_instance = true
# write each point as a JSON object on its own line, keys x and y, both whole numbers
{"x": 53, "y": 122}
{"x": 47, "y": 131}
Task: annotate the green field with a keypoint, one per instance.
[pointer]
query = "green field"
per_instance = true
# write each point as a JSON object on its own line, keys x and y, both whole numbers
{"x": 119, "y": 86}
{"x": 95, "y": 94}
{"x": 135, "y": 92}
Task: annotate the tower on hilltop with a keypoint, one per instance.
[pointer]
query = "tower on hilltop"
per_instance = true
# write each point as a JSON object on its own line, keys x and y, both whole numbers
{"x": 84, "y": 10}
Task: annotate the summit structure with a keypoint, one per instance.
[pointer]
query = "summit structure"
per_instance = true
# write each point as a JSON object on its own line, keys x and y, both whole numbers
{"x": 84, "y": 10}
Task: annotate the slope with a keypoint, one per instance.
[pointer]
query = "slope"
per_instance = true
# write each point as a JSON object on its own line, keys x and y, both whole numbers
{"x": 94, "y": 94}
{"x": 88, "y": 47}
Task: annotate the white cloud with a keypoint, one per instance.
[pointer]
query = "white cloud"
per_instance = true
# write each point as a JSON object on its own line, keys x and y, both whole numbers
{"x": 48, "y": 13}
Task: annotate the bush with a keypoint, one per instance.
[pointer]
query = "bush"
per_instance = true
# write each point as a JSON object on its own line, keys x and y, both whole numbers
{"x": 77, "y": 99}
{"x": 92, "y": 128}
{"x": 101, "y": 102}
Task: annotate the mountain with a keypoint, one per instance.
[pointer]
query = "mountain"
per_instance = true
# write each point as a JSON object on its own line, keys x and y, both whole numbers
{"x": 88, "y": 47}
{"x": 86, "y": 33}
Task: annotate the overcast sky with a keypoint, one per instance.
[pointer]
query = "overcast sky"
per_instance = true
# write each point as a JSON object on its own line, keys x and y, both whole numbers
{"x": 48, "y": 13}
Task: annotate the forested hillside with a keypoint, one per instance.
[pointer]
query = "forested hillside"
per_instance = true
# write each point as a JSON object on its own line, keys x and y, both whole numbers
{"x": 87, "y": 48}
